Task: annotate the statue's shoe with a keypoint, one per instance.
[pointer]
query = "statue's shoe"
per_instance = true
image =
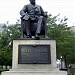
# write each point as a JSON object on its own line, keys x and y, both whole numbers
{"x": 37, "y": 36}
{"x": 29, "y": 36}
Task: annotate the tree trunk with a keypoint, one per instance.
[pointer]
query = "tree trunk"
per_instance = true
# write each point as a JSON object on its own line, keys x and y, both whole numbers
{"x": 65, "y": 61}
{"x": 6, "y": 67}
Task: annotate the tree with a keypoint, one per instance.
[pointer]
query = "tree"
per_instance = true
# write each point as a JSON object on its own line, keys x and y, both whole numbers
{"x": 6, "y": 36}
{"x": 58, "y": 30}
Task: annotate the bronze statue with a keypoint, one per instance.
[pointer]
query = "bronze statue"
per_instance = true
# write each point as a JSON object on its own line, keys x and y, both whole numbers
{"x": 33, "y": 20}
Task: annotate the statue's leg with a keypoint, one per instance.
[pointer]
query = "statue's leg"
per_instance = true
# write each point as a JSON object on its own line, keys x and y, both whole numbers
{"x": 27, "y": 28}
{"x": 45, "y": 27}
{"x": 39, "y": 23}
{"x": 22, "y": 35}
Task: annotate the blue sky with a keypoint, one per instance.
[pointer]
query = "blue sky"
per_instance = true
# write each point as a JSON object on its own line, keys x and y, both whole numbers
{"x": 9, "y": 9}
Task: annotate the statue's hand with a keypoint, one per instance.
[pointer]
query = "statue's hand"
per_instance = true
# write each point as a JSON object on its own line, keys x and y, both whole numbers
{"x": 26, "y": 16}
{"x": 45, "y": 14}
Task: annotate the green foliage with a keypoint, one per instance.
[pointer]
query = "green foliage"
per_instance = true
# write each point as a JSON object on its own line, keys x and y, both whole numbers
{"x": 65, "y": 40}
{"x": 6, "y": 37}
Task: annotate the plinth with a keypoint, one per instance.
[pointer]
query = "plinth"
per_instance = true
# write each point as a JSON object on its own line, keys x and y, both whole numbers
{"x": 34, "y": 57}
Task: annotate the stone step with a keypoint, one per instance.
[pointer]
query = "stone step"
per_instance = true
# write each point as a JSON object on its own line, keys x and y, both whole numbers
{"x": 32, "y": 70}
{"x": 34, "y": 73}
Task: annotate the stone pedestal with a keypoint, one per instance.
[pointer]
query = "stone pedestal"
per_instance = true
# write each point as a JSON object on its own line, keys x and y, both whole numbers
{"x": 34, "y": 69}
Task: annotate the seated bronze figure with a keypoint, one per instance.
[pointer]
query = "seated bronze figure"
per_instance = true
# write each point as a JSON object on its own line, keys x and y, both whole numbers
{"x": 33, "y": 21}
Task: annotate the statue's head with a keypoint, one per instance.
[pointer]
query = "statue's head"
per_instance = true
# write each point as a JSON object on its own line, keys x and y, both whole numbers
{"x": 32, "y": 1}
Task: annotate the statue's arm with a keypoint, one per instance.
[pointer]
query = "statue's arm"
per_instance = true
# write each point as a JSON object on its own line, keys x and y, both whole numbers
{"x": 23, "y": 11}
{"x": 43, "y": 13}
